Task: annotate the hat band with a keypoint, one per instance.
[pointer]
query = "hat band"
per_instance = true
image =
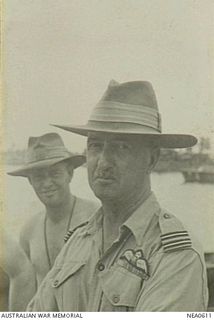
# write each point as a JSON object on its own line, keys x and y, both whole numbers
{"x": 46, "y": 153}
{"x": 108, "y": 111}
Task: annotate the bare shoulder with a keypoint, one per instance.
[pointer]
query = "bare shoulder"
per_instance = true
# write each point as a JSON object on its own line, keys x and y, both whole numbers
{"x": 30, "y": 226}
{"x": 33, "y": 220}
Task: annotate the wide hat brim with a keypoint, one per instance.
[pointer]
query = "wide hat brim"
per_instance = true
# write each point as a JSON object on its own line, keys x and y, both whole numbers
{"x": 75, "y": 160}
{"x": 163, "y": 140}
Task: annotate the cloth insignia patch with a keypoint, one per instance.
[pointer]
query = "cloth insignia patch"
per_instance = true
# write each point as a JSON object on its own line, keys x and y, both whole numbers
{"x": 134, "y": 261}
{"x": 68, "y": 235}
{"x": 176, "y": 240}
{"x": 70, "y": 232}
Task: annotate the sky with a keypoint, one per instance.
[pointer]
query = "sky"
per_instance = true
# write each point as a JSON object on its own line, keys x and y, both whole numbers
{"x": 59, "y": 56}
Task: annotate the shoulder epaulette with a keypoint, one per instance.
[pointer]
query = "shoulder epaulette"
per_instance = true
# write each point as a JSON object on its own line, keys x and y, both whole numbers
{"x": 70, "y": 232}
{"x": 175, "y": 241}
{"x": 174, "y": 236}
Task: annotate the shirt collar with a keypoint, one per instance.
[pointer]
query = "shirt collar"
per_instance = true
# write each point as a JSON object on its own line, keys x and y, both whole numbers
{"x": 139, "y": 221}
{"x": 95, "y": 222}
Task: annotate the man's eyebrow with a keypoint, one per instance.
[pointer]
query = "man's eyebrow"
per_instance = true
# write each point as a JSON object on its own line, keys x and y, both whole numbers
{"x": 36, "y": 171}
{"x": 94, "y": 139}
{"x": 53, "y": 168}
{"x": 121, "y": 139}
{"x": 36, "y": 174}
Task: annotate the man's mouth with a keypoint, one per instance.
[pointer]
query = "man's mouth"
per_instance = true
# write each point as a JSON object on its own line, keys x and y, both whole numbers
{"x": 49, "y": 193}
{"x": 104, "y": 178}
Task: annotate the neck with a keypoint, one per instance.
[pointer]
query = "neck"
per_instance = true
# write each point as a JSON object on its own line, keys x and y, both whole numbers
{"x": 61, "y": 211}
{"x": 116, "y": 213}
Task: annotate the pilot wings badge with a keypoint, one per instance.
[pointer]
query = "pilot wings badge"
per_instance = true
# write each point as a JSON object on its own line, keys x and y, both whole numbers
{"x": 135, "y": 262}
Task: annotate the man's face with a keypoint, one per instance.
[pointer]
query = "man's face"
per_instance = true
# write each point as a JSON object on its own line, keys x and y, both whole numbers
{"x": 51, "y": 184}
{"x": 118, "y": 165}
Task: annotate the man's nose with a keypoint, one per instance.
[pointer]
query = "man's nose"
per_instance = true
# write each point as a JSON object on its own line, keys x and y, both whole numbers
{"x": 47, "y": 181}
{"x": 106, "y": 156}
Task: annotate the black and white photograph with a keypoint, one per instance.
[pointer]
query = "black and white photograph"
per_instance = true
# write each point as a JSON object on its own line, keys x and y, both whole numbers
{"x": 107, "y": 156}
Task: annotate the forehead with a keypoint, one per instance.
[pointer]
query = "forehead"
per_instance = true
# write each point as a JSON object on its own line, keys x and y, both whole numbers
{"x": 61, "y": 166}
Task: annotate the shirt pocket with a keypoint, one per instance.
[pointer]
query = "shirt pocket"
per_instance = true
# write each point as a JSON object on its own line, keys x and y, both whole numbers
{"x": 66, "y": 271}
{"x": 120, "y": 286}
{"x": 67, "y": 286}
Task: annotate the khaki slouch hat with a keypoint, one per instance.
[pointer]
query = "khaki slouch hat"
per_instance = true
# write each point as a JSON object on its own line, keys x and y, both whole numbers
{"x": 131, "y": 108}
{"x": 45, "y": 151}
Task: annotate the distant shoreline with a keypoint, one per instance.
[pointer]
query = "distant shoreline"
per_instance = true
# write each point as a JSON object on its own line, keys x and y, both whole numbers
{"x": 171, "y": 160}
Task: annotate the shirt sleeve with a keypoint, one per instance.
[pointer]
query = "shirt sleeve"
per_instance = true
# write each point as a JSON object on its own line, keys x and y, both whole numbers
{"x": 177, "y": 283}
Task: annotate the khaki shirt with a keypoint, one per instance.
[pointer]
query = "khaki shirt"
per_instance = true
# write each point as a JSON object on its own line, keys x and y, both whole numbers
{"x": 152, "y": 266}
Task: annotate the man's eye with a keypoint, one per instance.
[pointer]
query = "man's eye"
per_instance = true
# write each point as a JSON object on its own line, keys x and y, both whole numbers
{"x": 123, "y": 146}
{"x": 37, "y": 177}
{"x": 55, "y": 174}
{"x": 94, "y": 145}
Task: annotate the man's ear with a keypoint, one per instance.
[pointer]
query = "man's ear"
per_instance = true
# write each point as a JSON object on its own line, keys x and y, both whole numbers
{"x": 155, "y": 154}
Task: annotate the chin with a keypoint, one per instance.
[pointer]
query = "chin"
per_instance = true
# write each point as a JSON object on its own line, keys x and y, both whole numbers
{"x": 51, "y": 202}
{"x": 105, "y": 195}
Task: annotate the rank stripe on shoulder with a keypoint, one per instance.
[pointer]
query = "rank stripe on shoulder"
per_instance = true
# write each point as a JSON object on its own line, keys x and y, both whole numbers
{"x": 166, "y": 243}
{"x": 180, "y": 245}
{"x": 70, "y": 232}
{"x": 176, "y": 240}
{"x": 173, "y": 234}
{"x": 177, "y": 236}
{"x": 184, "y": 242}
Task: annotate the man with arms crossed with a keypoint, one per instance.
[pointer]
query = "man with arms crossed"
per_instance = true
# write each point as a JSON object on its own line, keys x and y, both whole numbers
{"x": 132, "y": 255}
{"x": 49, "y": 169}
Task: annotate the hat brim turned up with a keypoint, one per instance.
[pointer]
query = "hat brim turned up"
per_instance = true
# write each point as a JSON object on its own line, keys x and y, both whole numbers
{"x": 24, "y": 171}
{"x": 164, "y": 140}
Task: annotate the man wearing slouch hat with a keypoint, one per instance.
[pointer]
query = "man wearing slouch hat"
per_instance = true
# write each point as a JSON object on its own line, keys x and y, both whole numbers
{"x": 49, "y": 168}
{"x": 132, "y": 255}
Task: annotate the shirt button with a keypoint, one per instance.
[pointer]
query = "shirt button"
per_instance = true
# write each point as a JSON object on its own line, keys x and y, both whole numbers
{"x": 116, "y": 298}
{"x": 101, "y": 266}
{"x": 166, "y": 216}
{"x": 56, "y": 282}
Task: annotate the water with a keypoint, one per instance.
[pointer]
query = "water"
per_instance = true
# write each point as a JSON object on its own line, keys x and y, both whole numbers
{"x": 193, "y": 203}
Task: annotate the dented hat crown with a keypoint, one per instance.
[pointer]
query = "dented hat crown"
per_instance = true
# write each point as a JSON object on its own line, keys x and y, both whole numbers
{"x": 44, "y": 151}
{"x": 131, "y": 108}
